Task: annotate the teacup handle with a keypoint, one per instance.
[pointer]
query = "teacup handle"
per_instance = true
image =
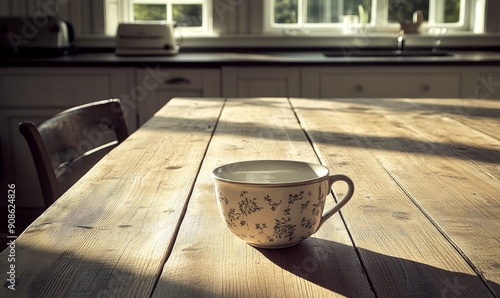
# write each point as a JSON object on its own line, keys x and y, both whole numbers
{"x": 350, "y": 191}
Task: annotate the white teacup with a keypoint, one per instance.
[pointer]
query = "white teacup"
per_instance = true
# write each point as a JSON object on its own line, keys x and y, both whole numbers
{"x": 275, "y": 203}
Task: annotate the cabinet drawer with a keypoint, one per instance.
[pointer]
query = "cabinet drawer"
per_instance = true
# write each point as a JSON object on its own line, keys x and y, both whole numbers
{"x": 390, "y": 85}
{"x": 173, "y": 78}
{"x": 155, "y": 87}
{"x": 261, "y": 81}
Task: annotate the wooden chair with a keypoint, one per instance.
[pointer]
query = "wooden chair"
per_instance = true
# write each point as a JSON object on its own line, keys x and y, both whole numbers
{"x": 67, "y": 145}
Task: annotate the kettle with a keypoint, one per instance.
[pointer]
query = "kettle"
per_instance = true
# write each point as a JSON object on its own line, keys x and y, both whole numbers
{"x": 36, "y": 36}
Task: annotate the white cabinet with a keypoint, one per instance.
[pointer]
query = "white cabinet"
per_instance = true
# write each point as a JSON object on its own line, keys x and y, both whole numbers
{"x": 155, "y": 87}
{"x": 380, "y": 81}
{"x": 60, "y": 88}
{"x": 261, "y": 81}
{"x": 34, "y": 94}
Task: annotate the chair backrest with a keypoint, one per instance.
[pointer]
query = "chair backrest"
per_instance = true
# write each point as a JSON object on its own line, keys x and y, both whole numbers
{"x": 67, "y": 145}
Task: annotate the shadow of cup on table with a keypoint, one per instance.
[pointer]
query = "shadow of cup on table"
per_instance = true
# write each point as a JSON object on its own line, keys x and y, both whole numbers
{"x": 337, "y": 267}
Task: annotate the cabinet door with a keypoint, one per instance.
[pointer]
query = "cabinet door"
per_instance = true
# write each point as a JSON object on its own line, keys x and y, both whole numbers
{"x": 261, "y": 81}
{"x": 35, "y": 94}
{"x": 381, "y": 82}
{"x": 17, "y": 162}
{"x": 67, "y": 87}
{"x": 488, "y": 85}
{"x": 154, "y": 90}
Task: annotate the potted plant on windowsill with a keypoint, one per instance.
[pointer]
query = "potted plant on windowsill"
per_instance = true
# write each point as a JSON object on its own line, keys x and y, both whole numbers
{"x": 413, "y": 27}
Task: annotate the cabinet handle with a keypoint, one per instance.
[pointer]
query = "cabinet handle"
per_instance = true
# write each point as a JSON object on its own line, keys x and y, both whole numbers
{"x": 358, "y": 88}
{"x": 426, "y": 88}
{"x": 178, "y": 81}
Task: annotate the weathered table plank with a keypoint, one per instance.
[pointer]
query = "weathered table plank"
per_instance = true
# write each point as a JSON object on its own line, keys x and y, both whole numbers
{"x": 480, "y": 119}
{"x": 367, "y": 141}
{"x": 464, "y": 165}
{"x": 423, "y": 221}
{"x": 208, "y": 260}
{"x": 110, "y": 234}
{"x": 480, "y": 114}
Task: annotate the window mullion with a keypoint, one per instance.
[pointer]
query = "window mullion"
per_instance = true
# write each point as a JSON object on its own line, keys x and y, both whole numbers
{"x": 127, "y": 11}
{"x": 328, "y": 11}
{"x": 380, "y": 15}
{"x": 466, "y": 19}
{"x": 302, "y": 12}
{"x": 169, "y": 12}
{"x": 436, "y": 12}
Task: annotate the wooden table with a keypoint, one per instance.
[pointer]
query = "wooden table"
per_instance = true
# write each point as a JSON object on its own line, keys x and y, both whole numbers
{"x": 424, "y": 220}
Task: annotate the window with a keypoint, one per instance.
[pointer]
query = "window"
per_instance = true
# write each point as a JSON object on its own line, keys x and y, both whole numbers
{"x": 351, "y": 16}
{"x": 191, "y": 16}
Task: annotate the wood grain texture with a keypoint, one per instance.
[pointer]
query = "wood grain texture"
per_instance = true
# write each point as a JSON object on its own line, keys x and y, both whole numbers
{"x": 110, "y": 234}
{"x": 207, "y": 260}
{"x": 423, "y": 221}
{"x": 407, "y": 166}
{"x": 480, "y": 114}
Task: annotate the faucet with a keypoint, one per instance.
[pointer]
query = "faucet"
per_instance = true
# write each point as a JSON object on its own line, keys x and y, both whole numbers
{"x": 401, "y": 41}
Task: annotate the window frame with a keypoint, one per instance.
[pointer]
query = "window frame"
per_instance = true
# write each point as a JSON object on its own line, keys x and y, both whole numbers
{"x": 379, "y": 20}
{"x": 125, "y": 14}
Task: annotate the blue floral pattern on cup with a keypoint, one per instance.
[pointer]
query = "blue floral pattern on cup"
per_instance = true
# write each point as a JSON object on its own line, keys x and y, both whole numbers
{"x": 275, "y": 203}
{"x": 281, "y": 230}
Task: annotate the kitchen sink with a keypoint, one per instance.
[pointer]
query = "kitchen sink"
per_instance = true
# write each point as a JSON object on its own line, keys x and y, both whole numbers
{"x": 411, "y": 53}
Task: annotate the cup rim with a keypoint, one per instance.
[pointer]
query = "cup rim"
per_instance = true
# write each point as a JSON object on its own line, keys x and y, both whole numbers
{"x": 214, "y": 173}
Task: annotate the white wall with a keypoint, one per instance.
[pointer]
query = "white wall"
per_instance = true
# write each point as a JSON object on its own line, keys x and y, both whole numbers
{"x": 229, "y": 16}
{"x": 87, "y": 16}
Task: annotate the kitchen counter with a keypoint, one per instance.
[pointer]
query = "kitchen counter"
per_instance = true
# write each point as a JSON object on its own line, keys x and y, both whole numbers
{"x": 217, "y": 59}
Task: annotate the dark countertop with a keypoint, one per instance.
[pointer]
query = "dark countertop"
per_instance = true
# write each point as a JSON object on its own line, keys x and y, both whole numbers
{"x": 217, "y": 59}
